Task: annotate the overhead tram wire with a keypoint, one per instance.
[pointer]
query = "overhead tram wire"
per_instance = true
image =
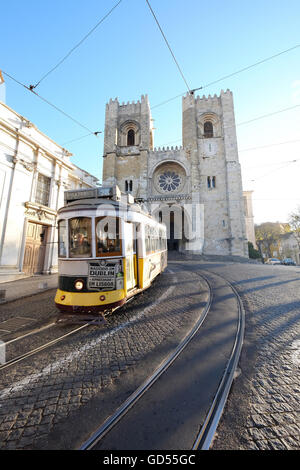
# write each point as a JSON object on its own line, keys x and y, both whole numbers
{"x": 51, "y": 104}
{"x": 250, "y": 149}
{"x": 244, "y": 69}
{"x": 267, "y": 115}
{"x": 168, "y": 45}
{"x": 274, "y": 170}
{"x": 32, "y": 87}
{"x": 270, "y": 145}
{"x": 253, "y": 120}
{"x": 82, "y": 137}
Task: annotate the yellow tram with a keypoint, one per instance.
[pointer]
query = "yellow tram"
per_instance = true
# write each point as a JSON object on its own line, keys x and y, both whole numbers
{"x": 108, "y": 250}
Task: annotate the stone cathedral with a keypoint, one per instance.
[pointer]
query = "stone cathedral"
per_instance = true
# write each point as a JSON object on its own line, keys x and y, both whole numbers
{"x": 195, "y": 189}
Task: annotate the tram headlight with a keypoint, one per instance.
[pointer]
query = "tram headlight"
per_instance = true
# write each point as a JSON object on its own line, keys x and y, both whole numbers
{"x": 78, "y": 285}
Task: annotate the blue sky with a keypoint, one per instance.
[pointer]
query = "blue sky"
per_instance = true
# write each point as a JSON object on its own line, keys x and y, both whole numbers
{"x": 126, "y": 57}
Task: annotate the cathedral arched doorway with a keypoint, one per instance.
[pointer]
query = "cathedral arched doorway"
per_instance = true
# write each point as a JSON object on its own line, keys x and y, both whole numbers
{"x": 177, "y": 222}
{"x": 173, "y": 241}
{"x": 169, "y": 182}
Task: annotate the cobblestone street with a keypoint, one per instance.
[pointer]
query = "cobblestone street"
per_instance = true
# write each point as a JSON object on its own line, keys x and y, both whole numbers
{"x": 49, "y": 400}
{"x": 48, "y": 389}
{"x": 263, "y": 410}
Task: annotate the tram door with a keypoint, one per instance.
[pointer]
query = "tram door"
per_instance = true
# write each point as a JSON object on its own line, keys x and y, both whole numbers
{"x": 130, "y": 255}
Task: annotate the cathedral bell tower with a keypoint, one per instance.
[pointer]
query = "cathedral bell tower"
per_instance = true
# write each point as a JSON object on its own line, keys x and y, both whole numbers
{"x": 127, "y": 141}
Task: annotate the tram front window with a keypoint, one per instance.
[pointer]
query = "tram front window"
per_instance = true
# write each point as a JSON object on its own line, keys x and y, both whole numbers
{"x": 80, "y": 237}
{"x": 108, "y": 236}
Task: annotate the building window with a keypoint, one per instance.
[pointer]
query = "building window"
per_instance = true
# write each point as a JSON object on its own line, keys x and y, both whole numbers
{"x": 42, "y": 193}
{"x": 128, "y": 186}
{"x": 130, "y": 137}
{"x": 211, "y": 182}
{"x": 208, "y": 129}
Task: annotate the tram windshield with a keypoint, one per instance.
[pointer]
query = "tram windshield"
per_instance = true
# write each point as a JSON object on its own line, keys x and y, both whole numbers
{"x": 108, "y": 240}
{"x": 80, "y": 237}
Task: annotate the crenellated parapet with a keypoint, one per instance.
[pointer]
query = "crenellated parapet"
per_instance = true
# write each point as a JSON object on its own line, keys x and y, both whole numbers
{"x": 129, "y": 107}
{"x": 168, "y": 154}
{"x": 168, "y": 149}
{"x": 205, "y": 102}
{"x": 122, "y": 118}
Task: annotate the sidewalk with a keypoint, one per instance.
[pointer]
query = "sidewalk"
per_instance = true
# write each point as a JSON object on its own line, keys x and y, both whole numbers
{"x": 25, "y": 287}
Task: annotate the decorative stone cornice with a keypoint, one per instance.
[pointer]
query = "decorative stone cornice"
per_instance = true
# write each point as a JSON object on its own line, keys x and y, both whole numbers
{"x": 39, "y": 212}
{"x": 175, "y": 197}
{"x": 29, "y": 166}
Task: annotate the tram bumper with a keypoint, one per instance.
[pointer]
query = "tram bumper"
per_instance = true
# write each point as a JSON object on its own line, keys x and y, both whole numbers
{"x": 89, "y": 302}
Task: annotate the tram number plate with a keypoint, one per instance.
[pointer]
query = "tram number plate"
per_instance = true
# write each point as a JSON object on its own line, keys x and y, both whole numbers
{"x": 101, "y": 277}
{"x": 101, "y": 284}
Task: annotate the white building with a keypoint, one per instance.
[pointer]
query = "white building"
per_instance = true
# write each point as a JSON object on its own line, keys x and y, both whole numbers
{"x": 289, "y": 247}
{"x": 34, "y": 173}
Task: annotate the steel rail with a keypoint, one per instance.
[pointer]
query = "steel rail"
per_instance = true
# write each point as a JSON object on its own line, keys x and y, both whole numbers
{"x": 30, "y": 333}
{"x": 205, "y": 437}
{"x": 112, "y": 420}
{"x": 40, "y": 348}
{"x": 50, "y": 343}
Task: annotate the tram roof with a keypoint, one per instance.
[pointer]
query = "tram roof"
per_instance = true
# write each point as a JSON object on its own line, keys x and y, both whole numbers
{"x": 92, "y": 198}
{"x": 94, "y": 203}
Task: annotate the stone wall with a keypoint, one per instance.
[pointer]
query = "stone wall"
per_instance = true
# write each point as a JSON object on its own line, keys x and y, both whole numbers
{"x": 204, "y": 174}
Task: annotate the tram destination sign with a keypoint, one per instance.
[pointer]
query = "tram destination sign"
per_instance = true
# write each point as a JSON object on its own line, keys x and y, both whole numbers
{"x": 110, "y": 192}
{"x": 101, "y": 277}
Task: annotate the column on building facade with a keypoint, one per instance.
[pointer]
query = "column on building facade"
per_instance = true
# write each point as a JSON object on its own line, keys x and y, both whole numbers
{"x": 190, "y": 144}
{"x": 234, "y": 179}
{"x": 33, "y": 169}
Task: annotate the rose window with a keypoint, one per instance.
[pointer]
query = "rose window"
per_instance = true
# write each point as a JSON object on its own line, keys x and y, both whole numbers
{"x": 169, "y": 181}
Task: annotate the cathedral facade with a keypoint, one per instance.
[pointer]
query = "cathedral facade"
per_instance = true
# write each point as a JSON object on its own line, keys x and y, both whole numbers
{"x": 195, "y": 189}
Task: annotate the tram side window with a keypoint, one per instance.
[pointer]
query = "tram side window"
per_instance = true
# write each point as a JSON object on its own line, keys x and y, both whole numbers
{"x": 147, "y": 239}
{"x": 155, "y": 239}
{"x": 108, "y": 240}
{"x": 162, "y": 237}
{"x": 80, "y": 237}
{"x": 62, "y": 238}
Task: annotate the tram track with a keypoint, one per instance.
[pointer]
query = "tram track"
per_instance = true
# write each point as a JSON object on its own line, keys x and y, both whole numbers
{"x": 114, "y": 421}
{"x": 33, "y": 351}
{"x": 30, "y": 333}
{"x": 91, "y": 321}
{"x": 206, "y": 434}
{"x": 204, "y": 438}
{"x": 21, "y": 357}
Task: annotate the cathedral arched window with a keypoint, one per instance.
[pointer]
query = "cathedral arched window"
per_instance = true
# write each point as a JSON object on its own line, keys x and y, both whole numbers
{"x": 130, "y": 137}
{"x": 128, "y": 186}
{"x": 208, "y": 129}
{"x": 129, "y": 134}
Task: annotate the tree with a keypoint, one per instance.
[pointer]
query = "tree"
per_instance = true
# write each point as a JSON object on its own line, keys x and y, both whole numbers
{"x": 253, "y": 253}
{"x": 294, "y": 222}
{"x": 267, "y": 236}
